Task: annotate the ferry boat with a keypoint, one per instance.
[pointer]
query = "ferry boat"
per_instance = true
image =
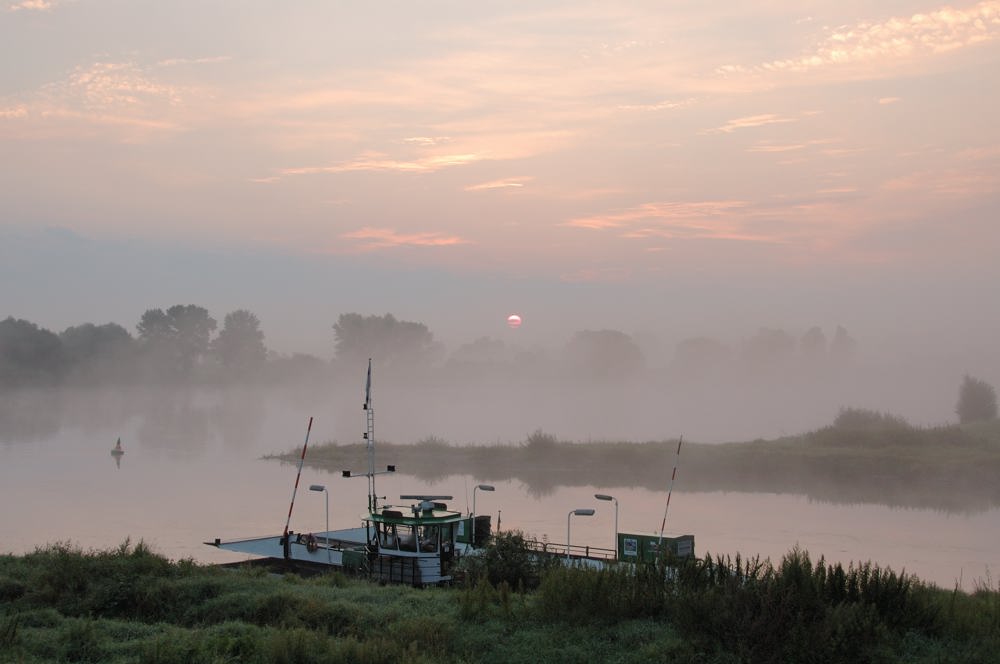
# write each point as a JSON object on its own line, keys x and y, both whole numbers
{"x": 418, "y": 544}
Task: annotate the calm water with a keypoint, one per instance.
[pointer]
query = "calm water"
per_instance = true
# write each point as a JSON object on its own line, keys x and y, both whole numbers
{"x": 185, "y": 480}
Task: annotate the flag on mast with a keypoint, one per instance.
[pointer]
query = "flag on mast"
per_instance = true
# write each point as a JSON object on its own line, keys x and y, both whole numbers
{"x": 368, "y": 385}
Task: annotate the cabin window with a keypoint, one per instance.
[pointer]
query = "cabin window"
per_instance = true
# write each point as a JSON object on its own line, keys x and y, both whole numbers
{"x": 407, "y": 538}
{"x": 387, "y": 536}
{"x": 429, "y": 538}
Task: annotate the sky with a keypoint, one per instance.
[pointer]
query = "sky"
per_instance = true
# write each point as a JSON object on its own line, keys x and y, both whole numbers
{"x": 667, "y": 169}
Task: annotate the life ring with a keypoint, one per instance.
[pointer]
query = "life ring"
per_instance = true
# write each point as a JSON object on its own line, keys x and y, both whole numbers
{"x": 311, "y": 544}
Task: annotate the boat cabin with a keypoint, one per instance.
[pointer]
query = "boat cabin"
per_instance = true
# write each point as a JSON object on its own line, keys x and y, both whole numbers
{"x": 414, "y": 545}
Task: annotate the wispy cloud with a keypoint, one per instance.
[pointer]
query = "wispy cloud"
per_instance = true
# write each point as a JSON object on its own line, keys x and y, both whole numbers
{"x": 772, "y": 147}
{"x": 381, "y": 162}
{"x": 598, "y": 274}
{"x": 885, "y": 101}
{"x": 899, "y": 38}
{"x": 950, "y": 182}
{"x": 672, "y": 212}
{"x": 427, "y": 141}
{"x": 32, "y": 5}
{"x": 658, "y": 106}
{"x": 117, "y": 84}
{"x": 19, "y": 111}
{"x": 749, "y": 122}
{"x": 174, "y": 62}
{"x": 387, "y": 238}
{"x": 506, "y": 183}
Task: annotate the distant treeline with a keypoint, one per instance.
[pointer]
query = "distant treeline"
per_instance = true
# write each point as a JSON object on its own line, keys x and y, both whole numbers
{"x": 172, "y": 346}
{"x": 185, "y": 344}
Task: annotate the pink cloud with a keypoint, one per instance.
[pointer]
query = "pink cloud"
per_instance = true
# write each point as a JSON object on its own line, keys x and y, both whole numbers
{"x": 379, "y": 162}
{"x": 898, "y": 38}
{"x": 506, "y": 183}
{"x": 749, "y": 122}
{"x": 32, "y": 5}
{"x": 386, "y": 238}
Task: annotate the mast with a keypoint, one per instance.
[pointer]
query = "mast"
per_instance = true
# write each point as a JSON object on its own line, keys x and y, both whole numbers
{"x": 369, "y": 436}
{"x": 370, "y": 439}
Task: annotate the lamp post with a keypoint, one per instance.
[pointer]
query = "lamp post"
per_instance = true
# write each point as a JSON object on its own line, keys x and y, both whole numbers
{"x": 472, "y": 517}
{"x": 580, "y": 512}
{"x": 481, "y": 487}
{"x": 604, "y": 496}
{"x": 326, "y": 494}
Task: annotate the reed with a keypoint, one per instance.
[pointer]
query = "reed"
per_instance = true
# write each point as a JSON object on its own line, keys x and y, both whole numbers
{"x": 134, "y": 605}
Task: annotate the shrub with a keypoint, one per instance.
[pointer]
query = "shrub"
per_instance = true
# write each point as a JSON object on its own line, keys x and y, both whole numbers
{"x": 977, "y": 400}
{"x": 862, "y": 419}
{"x": 506, "y": 558}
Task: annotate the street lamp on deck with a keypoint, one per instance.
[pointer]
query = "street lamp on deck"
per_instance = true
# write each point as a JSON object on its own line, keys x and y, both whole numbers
{"x": 326, "y": 494}
{"x": 604, "y": 496}
{"x": 580, "y": 512}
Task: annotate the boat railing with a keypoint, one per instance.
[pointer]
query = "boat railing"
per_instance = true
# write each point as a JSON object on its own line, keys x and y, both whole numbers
{"x": 575, "y": 550}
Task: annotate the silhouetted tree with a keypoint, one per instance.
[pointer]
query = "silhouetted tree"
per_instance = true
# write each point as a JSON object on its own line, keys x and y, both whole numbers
{"x": 98, "y": 352}
{"x": 389, "y": 342}
{"x": 843, "y": 344}
{"x": 977, "y": 400}
{"x": 29, "y": 355}
{"x": 813, "y": 343}
{"x": 604, "y": 354}
{"x": 240, "y": 344}
{"x": 483, "y": 350}
{"x": 768, "y": 347}
{"x": 178, "y": 338}
{"x": 700, "y": 355}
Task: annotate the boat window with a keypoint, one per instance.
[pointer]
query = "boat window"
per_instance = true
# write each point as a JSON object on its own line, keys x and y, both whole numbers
{"x": 388, "y": 538}
{"x": 428, "y": 538}
{"x": 407, "y": 538}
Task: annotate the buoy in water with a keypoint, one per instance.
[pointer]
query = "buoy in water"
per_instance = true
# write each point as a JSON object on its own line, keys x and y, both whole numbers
{"x": 117, "y": 449}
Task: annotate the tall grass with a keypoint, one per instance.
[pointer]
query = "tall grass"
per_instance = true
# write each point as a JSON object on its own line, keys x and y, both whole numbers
{"x": 795, "y": 611}
{"x": 129, "y": 604}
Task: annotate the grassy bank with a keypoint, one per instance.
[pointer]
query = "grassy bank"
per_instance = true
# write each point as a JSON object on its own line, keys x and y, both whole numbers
{"x": 130, "y": 605}
{"x": 862, "y": 457}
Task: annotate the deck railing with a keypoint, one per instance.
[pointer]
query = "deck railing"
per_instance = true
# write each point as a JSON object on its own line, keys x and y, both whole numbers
{"x": 576, "y": 551}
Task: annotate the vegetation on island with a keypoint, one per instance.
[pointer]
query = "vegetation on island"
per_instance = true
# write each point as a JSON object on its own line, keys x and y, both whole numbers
{"x": 131, "y": 605}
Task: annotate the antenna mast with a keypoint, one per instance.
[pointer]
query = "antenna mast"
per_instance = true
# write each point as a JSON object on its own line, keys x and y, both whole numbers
{"x": 369, "y": 436}
{"x": 370, "y": 439}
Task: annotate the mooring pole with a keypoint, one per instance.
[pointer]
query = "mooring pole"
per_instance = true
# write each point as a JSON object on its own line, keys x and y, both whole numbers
{"x": 673, "y": 476}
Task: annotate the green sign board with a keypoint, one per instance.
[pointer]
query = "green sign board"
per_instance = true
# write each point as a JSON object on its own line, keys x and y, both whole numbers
{"x": 646, "y": 548}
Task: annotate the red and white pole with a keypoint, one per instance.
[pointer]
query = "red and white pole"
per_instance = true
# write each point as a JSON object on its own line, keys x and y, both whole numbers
{"x": 295, "y": 490}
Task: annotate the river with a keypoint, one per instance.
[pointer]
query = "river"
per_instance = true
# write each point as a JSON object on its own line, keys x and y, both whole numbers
{"x": 184, "y": 481}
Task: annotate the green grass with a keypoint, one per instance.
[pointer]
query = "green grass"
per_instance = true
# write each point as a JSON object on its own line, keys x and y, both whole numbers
{"x": 862, "y": 457}
{"x": 130, "y": 605}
